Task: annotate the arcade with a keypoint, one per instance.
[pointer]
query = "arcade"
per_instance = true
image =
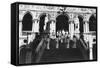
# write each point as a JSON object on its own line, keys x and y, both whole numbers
{"x": 57, "y": 28}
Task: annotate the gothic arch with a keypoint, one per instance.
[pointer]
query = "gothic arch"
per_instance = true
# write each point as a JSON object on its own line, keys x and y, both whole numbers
{"x": 92, "y": 23}
{"x": 26, "y": 13}
{"x": 62, "y": 22}
{"x": 27, "y": 22}
{"x": 81, "y": 23}
{"x": 42, "y": 22}
{"x": 44, "y": 14}
{"x": 61, "y": 14}
{"x": 81, "y": 16}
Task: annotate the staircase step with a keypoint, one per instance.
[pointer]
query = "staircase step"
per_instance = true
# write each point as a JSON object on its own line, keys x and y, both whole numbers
{"x": 58, "y": 55}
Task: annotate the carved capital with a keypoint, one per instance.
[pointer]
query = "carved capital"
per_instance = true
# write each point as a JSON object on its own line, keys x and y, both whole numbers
{"x": 71, "y": 15}
{"x": 36, "y": 21}
{"x": 86, "y": 17}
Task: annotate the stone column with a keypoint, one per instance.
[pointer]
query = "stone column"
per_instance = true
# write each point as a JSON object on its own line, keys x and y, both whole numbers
{"x": 20, "y": 28}
{"x": 52, "y": 29}
{"x": 35, "y": 27}
{"x": 86, "y": 26}
{"x": 71, "y": 28}
{"x": 90, "y": 47}
{"x": 48, "y": 40}
{"x": 86, "y": 23}
{"x": 20, "y": 35}
{"x": 88, "y": 37}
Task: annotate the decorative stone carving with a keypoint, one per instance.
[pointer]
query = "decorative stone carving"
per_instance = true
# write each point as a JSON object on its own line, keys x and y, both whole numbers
{"x": 52, "y": 12}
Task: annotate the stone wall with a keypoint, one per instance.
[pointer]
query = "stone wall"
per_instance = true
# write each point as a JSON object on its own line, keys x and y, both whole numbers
{"x": 52, "y": 12}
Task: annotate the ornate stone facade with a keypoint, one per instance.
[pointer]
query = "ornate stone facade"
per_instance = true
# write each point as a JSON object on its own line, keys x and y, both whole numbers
{"x": 52, "y": 12}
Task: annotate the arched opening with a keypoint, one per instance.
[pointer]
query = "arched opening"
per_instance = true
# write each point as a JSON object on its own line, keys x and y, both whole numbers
{"x": 92, "y": 23}
{"x": 81, "y": 28}
{"x": 42, "y": 23}
{"x": 27, "y": 22}
{"x": 48, "y": 27}
{"x": 62, "y": 23}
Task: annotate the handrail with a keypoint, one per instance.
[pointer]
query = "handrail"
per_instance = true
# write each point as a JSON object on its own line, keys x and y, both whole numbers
{"x": 40, "y": 49}
{"x": 84, "y": 45}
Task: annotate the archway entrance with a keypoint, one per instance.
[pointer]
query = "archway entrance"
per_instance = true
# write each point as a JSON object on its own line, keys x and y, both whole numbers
{"x": 81, "y": 24}
{"x": 27, "y": 22}
{"x": 62, "y": 23}
{"x": 42, "y": 23}
{"x": 92, "y": 23}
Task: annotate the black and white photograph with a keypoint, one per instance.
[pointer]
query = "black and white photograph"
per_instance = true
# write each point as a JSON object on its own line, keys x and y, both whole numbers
{"x": 49, "y": 34}
{"x": 52, "y": 33}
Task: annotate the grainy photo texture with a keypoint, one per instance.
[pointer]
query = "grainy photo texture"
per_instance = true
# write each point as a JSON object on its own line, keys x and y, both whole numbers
{"x": 56, "y": 33}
